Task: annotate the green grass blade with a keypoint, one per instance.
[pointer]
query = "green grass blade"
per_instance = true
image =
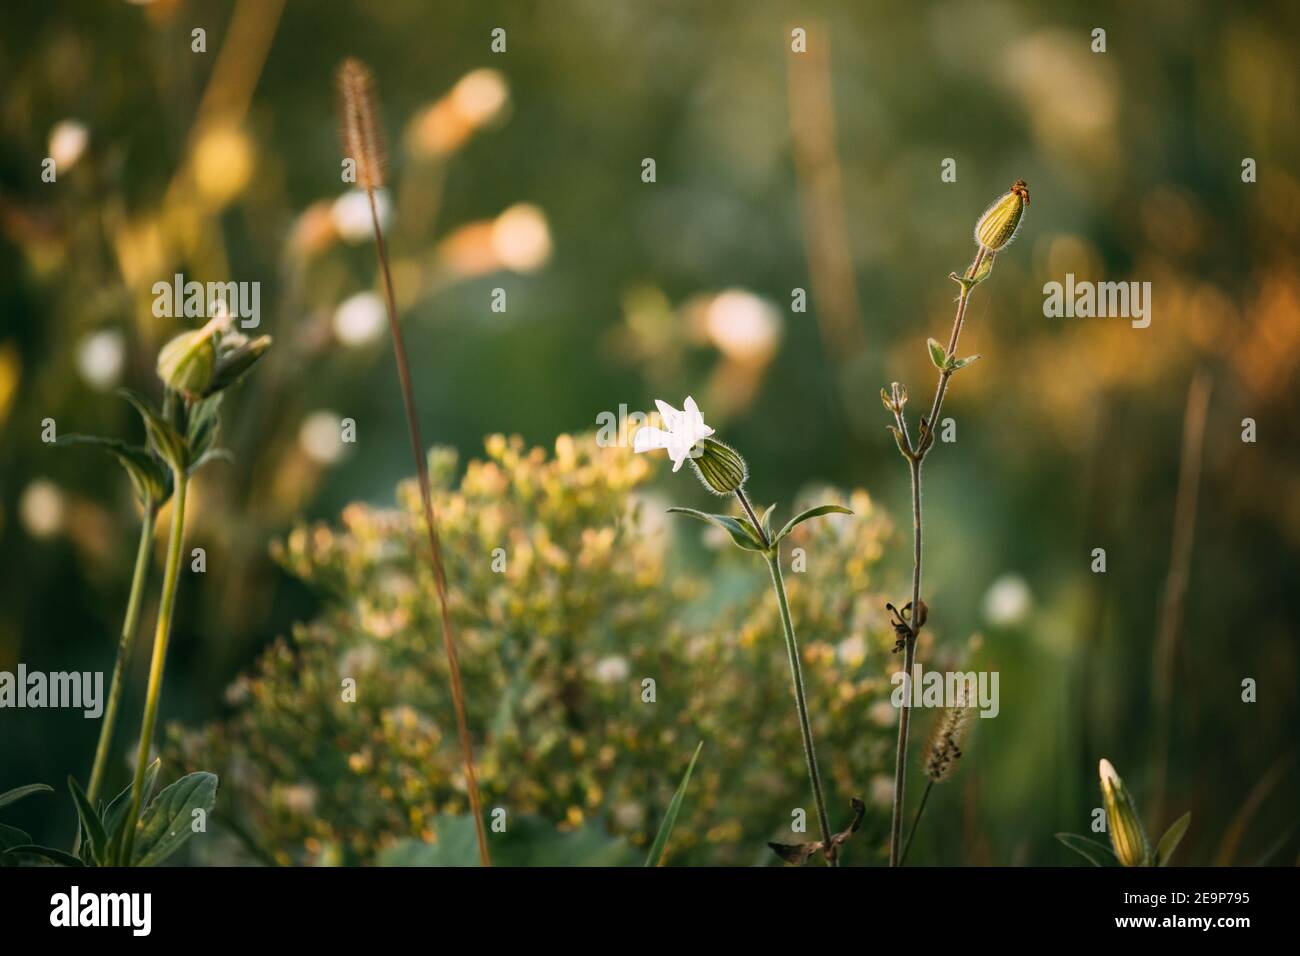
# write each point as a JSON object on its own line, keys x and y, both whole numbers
{"x": 660, "y": 847}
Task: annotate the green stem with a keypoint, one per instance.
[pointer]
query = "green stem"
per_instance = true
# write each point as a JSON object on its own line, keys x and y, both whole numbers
{"x": 162, "y": 634}
{"x": 124, "y": 646}
{"x": 801, "y": 704}
{"x": 915, "y": 823}
{"x": 919, "y": 451}
{"x": 909, "y": 661}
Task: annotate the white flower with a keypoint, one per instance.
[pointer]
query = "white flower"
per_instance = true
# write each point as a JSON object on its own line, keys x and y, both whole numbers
{"x": 685, "y": 429}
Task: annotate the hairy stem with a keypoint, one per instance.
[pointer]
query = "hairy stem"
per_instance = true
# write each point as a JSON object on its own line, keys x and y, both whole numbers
{"x": 925, "y": 795}
{"x": 124, "y": 646}
{"x": 918, "y": 451}
{"x": 435, "y": 544}
{"x": 800, "y": 695}
{"x": 161, "y": 637}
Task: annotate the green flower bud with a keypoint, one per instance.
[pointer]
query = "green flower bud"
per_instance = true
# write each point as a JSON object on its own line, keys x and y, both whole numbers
{"x": 997, "y": 227}
{"x": 236, "y": 358}
{"x": 720, "y": 467}
{"x": 1127, "y": 835}
{"x": 187, "y": 362}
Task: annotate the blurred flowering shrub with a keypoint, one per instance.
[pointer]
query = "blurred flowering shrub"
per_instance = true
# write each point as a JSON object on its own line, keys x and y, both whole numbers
{"x": 569, "y": 595}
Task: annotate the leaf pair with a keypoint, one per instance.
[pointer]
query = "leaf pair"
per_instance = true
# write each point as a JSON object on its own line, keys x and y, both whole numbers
{"x": 939, "y": 356}
{"x": 184, "y": 434}
{"x": 1098, "y": 854}
{"x": 746, "y": 537}
{"x": 162, "y": 828}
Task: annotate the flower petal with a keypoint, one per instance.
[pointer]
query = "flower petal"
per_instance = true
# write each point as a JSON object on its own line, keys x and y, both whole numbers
{"x": 649, "y": 438}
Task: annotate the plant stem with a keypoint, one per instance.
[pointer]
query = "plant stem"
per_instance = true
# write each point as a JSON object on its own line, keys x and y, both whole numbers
{"x": 917, "y": 822}
{"x": 435, "y": 544}
{"x": 161, "y": 637}
{"x": 915, "y": 459}
{"x": 124, "y": 645}
{"x": 800, "y": 696}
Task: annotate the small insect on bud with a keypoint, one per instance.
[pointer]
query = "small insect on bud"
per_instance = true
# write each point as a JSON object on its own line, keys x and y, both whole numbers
{"x": 997, "y": 227}
{"x": 187, "y": 362}
{"x": 720, "y": 467}
{"x": 1127, "y": 835}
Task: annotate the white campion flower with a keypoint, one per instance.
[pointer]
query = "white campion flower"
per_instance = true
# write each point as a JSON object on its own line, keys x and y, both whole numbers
{"x": 684, "y": 430}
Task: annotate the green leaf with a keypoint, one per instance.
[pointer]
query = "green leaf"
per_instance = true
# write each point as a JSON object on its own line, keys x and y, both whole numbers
{"x": 91, "y": 825}
{"x": 766, "y": 520}
{"x": 163, "y": 436}
{"x": 151, "y": 481}
{"x": 1173, "y": 836}
{"x": 211, "y": 454}
{"x": 938, "y": 354}
{"x": 12, "y": 836}
{"x": 165, "y": 825}
{"x": 201, "y": 430}
{"x": 810, "y": 513}
{"x": 740, "y": 532}
{"x": 17, "y": 793}
{"x": 957, "y": 363}
{"x": 48, "y": 852}
{"x": 1098, "y": 854}
{"x": 115, "y": 816}
{"x": 900, "y": 441}
{"x": 659, "y": 848}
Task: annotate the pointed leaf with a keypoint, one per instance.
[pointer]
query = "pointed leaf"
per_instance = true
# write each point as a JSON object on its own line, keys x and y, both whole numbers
{"x": 766, "y": 520}
{"x": 151, "y": 481}
{"x": 163, "y": 436}
{"x": 48, "y": 852}
{"x": 17, "y": 793}
{"x": 165, "y": 825}
{"x": 115, "y": 816}
{"x": 938, "y": 354}
{"x": 900, "y": 441}
{"x": 12, "y": 836}
{"x": 91, "y": 825}
{"x": 811, "y": 513}
{"x": 1098, "y": 854}
{"x": 212, "y": 454}
{"x": 660, "y": 847}
{"x": 962, "y": 363}
{"x": 204, "y": 421}
{"x": 1173, "y": 836}
{"x": 740, "y": 532}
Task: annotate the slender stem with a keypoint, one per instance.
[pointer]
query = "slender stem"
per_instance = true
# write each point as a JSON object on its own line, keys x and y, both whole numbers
{"x": 801, "y": 705}
{"x": 124, "y": 645}
{"x": 916, "y": 822}
{"x": 435, "y": 544}
{"x": 753, "y": 519}
{"x": 909, "y": 661}
{"x": 161, "y": 637}
{"x": 915, "y": 460}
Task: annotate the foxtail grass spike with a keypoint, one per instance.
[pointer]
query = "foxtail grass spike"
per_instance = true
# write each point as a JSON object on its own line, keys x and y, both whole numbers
{"x": 359, "y": 123}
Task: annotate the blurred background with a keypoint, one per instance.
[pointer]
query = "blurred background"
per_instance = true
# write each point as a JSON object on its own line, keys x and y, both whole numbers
{"x": 775, "y": 171}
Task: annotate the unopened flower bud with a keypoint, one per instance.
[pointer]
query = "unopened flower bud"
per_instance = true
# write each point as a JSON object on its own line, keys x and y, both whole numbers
{"x": 1127, "y": 835}
{"x": 997, "y": 227}
{"x": 186, "y": 363}
{"x": 720, "y": 467}
{"x": 235, "y": 359}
